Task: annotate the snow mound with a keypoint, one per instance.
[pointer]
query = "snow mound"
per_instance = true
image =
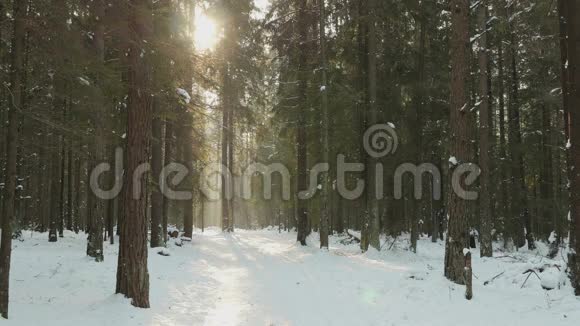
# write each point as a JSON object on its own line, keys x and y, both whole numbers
{"x": 163, "y": 251}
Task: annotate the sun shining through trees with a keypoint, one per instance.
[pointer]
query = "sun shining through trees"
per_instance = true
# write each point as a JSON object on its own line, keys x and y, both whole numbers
{"x": 206, "y": 31}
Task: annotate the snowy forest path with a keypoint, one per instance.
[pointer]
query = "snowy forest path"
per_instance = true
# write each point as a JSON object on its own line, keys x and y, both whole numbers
{"x": 266, "y": 278}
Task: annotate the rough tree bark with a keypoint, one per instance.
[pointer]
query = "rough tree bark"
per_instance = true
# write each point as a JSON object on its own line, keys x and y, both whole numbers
{"x": 132, "y": 272}
{"x": 2, "y": 116}
{"x": 458, "y": 238}
{"x": 16, "y": 73}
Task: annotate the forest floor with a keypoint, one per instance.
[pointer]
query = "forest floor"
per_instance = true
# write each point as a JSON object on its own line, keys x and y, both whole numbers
{"x": 264, "y": 278}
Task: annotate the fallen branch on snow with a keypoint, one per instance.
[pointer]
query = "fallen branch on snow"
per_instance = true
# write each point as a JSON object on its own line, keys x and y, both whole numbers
{"x": 493, "y": 278}
{"x": 529, "y": 272}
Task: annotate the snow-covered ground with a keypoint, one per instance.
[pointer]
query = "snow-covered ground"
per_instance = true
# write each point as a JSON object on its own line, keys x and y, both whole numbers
{"x": 264, "y": 278}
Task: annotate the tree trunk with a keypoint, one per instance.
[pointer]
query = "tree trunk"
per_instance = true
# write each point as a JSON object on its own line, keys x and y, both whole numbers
{"x": 168, "y": 157}
{"x": 563, "y": 18}
{"x": 132, "y": 272}
{"x": 301, "y": 134}
{"x": 371, "y": 218}
{"x": 95, "y": 238}
{"x": 573, "y": 28}
{"x": 227, "y": 154}
{"x": 226, "y": 180}
{"x": 70, "y": 182}
{"x": 502, "y": 138}
{"x": 111, "y": 214}
{"x": 77, "y": 216}
{"x": 547, "y": 209}
{"x": 61, "y": 197}
{"x": 54, "y": 189}
{"x": 458, "y": 238}
{"x": 230, "y": 165}
{"x": 521, "y": 226}
{"x": 2, "y": 116}
{"x": 188, "y": 157}
{"x": 361, "y": 81}
{"x": 415, "y": 122}
{"x": 228, "y": 97}
{"x": 372, "y": 204}
{"x": 326, "y": 184}
{"x": 156, "y": 167}
{"x": 95, "y": 215}
{"x": 16, "y": 74}
{"x": 484, "y": 141}
{"x": 468, "y": 277}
